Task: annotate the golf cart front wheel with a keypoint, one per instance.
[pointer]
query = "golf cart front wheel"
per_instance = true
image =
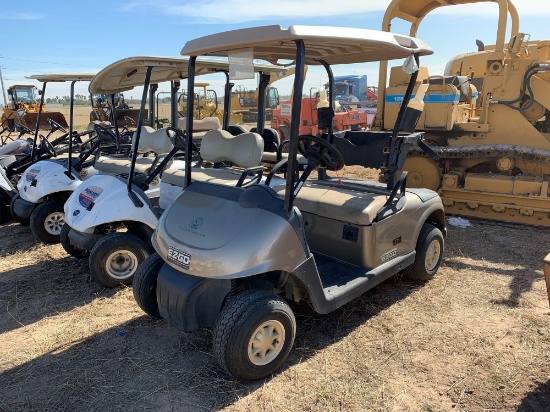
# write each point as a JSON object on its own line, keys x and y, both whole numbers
{"x": 47, "y": 220}
{"x": 254, "y": 334}
{"x": 68, "y": 246}
{"x": 429, "y": 254}
{"x": 145, "y": 285}
{"x": 115, "y": 258}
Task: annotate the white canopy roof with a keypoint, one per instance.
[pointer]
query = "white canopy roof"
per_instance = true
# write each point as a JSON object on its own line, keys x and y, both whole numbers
{"x": 128, "y": 73}
{"x": 334, "y": 45}
{"x": 62, "y": 77}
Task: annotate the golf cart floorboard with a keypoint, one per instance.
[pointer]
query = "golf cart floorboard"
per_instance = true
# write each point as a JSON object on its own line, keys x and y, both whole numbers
{"x": 342, "y": 282}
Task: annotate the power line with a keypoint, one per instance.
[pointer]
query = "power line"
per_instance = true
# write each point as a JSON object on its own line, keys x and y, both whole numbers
{"x": 38, "y": 61}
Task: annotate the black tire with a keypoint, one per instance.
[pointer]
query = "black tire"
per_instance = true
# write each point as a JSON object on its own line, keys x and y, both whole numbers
{"x": 145, "y": 285}
{"x": 239, "y": 321}
{"x": 47, "y": 220}
{"x": 67, "y": 245}
{"x": 15, "y": 216}
{"x": 115, "y": 258}
{"x": 430, "y": 237}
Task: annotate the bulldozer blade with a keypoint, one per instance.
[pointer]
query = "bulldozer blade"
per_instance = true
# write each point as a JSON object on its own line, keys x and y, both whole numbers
{"x": 30, "y": 120}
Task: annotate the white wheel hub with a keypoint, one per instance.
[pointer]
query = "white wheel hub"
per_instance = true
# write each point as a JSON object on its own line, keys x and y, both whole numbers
{"x": 266, "y": 342}
{"x": 433, "y": 254}
{"x": 121, "y": 264}
{"x": 54, "y": 222}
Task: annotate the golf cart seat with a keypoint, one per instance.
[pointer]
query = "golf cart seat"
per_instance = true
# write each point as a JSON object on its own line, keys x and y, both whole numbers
{"x": 244, "y": 151}
{"x": 357, "y": 202}
{"x": 92, "y": 124}
{"x": 200, "y": 127}
{"x": 153, "y": 141}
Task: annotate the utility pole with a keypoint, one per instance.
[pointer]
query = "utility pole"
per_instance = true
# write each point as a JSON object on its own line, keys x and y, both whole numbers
{"x": 3, "y": 89}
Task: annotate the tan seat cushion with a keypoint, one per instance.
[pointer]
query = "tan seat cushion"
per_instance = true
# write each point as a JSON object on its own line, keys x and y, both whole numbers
{"x": 115, "y": 165}
{"x": 158, "y": 141}
{"x": 227, "y": 177}
{"x": 208, "y": 123}
{"x": 337, "y": 203}
{"x": 271, "y": 157}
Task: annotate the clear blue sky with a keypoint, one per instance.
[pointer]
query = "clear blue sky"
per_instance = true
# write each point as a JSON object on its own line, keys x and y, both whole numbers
{"x": 69, "y": 36}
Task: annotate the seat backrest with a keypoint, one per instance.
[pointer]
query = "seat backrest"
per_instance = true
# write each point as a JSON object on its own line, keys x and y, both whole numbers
{"x": 271, "y": 138}
{"x": 208, "y": 123}
{"x": 157, "y": 141}
{"x": 91, "y": 125}
{"x": 236, "y": 129}
{"x": 244, "y": 150}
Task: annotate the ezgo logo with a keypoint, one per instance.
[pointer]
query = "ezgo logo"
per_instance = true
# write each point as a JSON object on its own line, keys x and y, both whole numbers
{"x": 179, "y": 258}
{"x": 31, "y": 174}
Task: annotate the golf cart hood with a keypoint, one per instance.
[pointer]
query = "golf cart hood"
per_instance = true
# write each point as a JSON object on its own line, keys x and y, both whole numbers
{"x": 104, "y": 199}
{"x": 46, "y": 177}
{"x": 209, "y": 232}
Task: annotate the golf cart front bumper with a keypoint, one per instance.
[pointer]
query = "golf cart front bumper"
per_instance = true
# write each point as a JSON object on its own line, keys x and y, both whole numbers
{"x": 190, "y": 302}
{"x": 22, "y": 208}
{"x": 84, "y": 241}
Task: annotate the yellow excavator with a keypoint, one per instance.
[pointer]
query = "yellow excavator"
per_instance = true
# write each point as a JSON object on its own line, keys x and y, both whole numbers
{"x": 206, "y": 101}
{"x": 487, "y": 117}
{"x": 23, "y": 108}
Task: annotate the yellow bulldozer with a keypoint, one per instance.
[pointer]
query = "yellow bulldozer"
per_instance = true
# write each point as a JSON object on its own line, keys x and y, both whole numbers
{"x": 487, "y": 117}
{"x": 23, "y": 108}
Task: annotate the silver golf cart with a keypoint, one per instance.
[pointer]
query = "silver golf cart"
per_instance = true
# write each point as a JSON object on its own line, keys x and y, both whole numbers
{"x": 231, "y": 258}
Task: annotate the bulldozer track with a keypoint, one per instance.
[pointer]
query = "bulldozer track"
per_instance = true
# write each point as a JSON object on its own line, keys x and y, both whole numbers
{"x": 489, "y": 151}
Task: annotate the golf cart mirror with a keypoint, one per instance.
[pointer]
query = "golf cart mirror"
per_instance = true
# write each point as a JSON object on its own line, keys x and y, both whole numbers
{"x": 40, "y": 92}
{"x": 241, "y": 65}
{"x": 410, "y": 65}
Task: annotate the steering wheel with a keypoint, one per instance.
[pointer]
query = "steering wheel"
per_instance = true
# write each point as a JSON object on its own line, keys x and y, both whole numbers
{"x": 179, "y": 140}
{"x": 106, "y": 136}
{"x": 320, "y": 154}
{"x": 56, "y": 126}
{"x": 47, "y": 146}
{"x": 129, "y": 121}
{"x": 23, "y": 129}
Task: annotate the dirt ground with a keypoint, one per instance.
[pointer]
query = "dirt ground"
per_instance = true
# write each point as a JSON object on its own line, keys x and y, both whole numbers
{"x": 477, "y": 337}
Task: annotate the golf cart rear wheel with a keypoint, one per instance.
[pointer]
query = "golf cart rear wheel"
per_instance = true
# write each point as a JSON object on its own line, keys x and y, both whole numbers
{"x": 429, "y": 254}
{"x": 15, "y": 216}
{"x": 47, "y": 219}
{"x": 254, "y": 334}
{"x": 67, "y": 245}
{"x": 145, "y": 285}
{"x": 115, "y": 258}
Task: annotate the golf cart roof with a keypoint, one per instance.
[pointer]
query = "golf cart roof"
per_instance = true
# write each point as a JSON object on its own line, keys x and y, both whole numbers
{"x": 62, "y": 77}
{"x": 334, "y": 45}
{"x": 128, "y": 73}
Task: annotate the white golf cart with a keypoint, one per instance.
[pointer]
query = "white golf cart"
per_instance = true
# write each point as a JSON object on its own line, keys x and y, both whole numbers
{"x": 47, "y": 184}
{"x": 97, "y": 214}
{"x": 231, "y": 257}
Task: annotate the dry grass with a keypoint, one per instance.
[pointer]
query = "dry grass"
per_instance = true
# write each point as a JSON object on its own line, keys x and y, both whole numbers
{"x": 475, "y": 338}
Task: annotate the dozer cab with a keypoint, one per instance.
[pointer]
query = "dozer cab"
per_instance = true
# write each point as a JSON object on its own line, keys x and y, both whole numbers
{"x": 23, "y": 109}
{"x": 487, "y": 117}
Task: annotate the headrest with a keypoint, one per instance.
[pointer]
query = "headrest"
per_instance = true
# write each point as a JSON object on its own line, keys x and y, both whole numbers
{"x": 159, "y": 141}
{"x": 245, "y": 150}
{"x": 208, "y": 123}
